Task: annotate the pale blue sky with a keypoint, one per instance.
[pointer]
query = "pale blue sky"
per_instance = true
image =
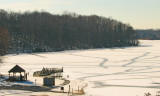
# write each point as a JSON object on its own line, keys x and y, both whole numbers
{"x": 143, "y": 14}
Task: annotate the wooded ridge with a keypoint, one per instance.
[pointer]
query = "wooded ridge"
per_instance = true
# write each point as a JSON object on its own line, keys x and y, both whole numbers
{"x": 42, "y": 31}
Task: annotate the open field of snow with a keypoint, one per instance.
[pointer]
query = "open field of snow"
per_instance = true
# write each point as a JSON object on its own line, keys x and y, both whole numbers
{"x": 127, "y": 71}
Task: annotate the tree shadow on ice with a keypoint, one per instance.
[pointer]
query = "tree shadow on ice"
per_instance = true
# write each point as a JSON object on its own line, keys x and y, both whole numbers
{"x": 134, "y": 59}
{"x": 126, "y": 72}
{"x": 145, "y": 46}
{"x": 101, "y": 64}
{"x": 153, "y": 57}
{"x": 101, "y": 84}
{"x": 124, "y": 79}
{"x": 128, "y": 47}
{"x": 38, "y": 55}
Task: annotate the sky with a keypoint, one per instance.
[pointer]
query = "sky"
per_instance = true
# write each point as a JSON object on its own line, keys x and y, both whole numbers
{"x": 141, "y": 14}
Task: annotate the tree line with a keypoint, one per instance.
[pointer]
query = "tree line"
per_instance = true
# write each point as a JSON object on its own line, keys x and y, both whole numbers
{"x": 148, "y": 34}
{"x": 4, "y": 39}
{"x": 41, "y": 31}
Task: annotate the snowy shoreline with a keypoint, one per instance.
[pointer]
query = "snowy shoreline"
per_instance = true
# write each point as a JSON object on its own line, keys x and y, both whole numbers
{"x": 17, "y": 86}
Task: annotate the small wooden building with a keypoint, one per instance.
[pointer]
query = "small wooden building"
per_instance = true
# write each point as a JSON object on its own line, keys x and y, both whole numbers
{"x": 49, "y": 81}
{"x": 14, "y": 70}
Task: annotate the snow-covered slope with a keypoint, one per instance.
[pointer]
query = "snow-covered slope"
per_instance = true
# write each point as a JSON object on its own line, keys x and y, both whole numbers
{"x": 128, "y": 71}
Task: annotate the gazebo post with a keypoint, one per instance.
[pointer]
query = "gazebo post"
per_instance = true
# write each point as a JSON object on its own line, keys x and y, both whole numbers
{"x": 9, "y": 75}
{"x": 24, "y": 76}
{"x": 20, "y": 77}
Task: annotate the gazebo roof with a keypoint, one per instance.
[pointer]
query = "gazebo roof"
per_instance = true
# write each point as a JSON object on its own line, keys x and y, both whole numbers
{"x": 16, "y": 69}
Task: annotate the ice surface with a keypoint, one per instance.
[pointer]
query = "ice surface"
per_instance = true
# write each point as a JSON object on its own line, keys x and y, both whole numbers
{"x": 125, "y": 71}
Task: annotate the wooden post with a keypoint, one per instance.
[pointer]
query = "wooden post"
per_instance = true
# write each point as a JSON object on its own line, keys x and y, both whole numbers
{"x": 24, "y": 76}
{"x": 21, "y": 77}
{"x": 13, "y": 74}
{"x": 9, "y": 75}
{"x": 35, "y": 81}
{"x": 69, "y": 90}
{"x": 78, "y": 89}
{"x": 63, "y": 89}
{"x": 72, "y": 91}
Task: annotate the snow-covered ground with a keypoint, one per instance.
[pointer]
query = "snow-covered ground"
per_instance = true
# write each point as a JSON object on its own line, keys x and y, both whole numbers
{"x": 127, "y": 71}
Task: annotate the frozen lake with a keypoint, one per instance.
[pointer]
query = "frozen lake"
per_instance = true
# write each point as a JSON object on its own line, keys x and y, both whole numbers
{"x": 127, "y": 71}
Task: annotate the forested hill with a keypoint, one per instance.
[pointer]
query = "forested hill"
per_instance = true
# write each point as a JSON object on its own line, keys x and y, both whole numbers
{"x": 43, "y": 31}
{"x": 149, "y": 34}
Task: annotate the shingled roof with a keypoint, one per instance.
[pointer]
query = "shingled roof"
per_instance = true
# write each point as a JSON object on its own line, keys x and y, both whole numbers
{"x": 16, "y": 69}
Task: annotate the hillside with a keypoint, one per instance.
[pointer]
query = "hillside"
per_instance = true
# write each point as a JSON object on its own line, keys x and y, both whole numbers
{"x": 42, "y": 31}
{"x": 149, "y": 34}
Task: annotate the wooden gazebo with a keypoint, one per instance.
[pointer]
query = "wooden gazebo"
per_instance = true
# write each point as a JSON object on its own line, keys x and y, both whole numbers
{"x": 16, "y": 69}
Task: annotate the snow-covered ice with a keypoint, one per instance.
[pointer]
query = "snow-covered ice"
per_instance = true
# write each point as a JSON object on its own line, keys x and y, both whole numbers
{"x": 125, "y": 71}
